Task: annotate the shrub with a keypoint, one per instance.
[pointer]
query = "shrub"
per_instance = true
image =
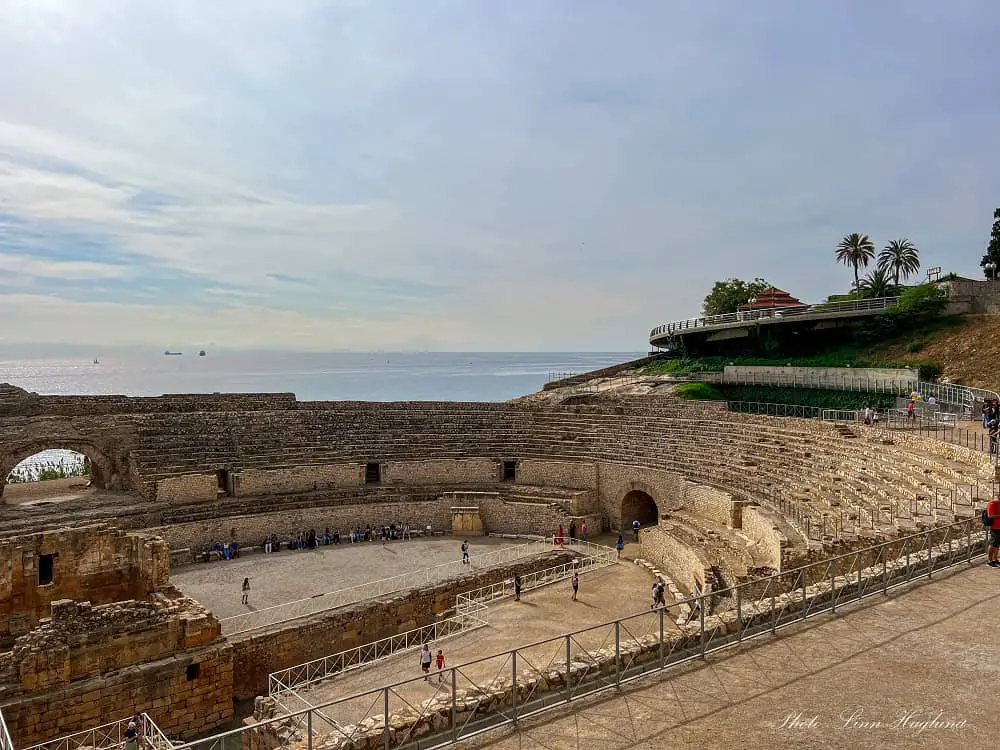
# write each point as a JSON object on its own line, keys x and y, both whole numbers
{"x": 915, "y": 346}
{"x": 699, "y": 392}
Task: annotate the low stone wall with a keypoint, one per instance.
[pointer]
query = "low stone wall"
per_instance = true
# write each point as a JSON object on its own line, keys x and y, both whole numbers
{"x": 685, "y": 565}
{"x": 259, "y": 654}
{"x": 713, "y": 504}
{"x": 819, "y": 377}
{"x": 769, "y": 542}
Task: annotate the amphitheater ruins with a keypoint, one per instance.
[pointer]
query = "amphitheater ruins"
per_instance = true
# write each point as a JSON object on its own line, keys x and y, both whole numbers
{"x": 96, "y": 627}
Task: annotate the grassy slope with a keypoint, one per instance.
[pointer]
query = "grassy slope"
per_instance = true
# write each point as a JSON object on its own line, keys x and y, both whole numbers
{"x": 968, "y": 353}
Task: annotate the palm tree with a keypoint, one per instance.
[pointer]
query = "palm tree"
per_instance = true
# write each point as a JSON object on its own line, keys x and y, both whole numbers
{"x": 901, "y": 257}
{"x": 856, "y": 250}
{"x": 876, "y": 284}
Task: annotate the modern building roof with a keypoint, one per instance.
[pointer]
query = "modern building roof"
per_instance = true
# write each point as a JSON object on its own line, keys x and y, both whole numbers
{"x": 772, "y": 297}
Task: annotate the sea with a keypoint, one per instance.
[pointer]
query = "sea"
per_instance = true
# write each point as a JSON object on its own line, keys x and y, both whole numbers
{"x": 352, "y": 376}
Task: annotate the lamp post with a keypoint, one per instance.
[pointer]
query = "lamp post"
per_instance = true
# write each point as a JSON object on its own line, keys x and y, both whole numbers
{"x": 991, "y": 270}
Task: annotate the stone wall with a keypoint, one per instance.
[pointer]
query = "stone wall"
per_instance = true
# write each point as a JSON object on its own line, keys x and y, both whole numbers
{"x": 187, "y": 488}
{"x": 970, "y": 297}
{"x": 604, "y": 372}
{"x": 712, "y": 504}
{"x": 685, "y": 565}
{"x": 617, "y": 480}
{"x": 96, "y": 563}
{"x": 89, "y": 664}
{"x": 820, "y": 377}
{"x": 769, "y": 542}
{"x": 259, "y": 654}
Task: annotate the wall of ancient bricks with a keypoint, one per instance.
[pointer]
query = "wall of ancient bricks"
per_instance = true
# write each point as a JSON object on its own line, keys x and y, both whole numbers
{"x": 91, "y": 664}
{"x": 96, "y": 563}
{"x": 711, "y": 503}
{"x": 759, "y": 525}
{"x": 260, "y": 654}
{"x": 685, "y": 565}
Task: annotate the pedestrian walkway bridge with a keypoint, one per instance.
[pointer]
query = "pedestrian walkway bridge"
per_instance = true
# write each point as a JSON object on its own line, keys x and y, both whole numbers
{"x": 739, "y": 324}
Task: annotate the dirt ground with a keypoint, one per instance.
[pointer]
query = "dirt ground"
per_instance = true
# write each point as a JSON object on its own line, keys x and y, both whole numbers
{"x": 51, "y": 490}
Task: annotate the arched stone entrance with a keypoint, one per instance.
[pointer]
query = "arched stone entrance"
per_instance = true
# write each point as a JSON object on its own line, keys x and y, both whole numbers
{"x": 638, "y": 505}
{"x": 102, "y": 474}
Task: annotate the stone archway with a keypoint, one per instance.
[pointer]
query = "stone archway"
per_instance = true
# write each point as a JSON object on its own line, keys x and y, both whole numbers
{"x": 102, "y": 474}
{"x": 638, "y": 505}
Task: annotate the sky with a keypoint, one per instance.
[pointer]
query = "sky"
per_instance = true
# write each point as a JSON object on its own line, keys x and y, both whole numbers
{"x": 471, "y": 175}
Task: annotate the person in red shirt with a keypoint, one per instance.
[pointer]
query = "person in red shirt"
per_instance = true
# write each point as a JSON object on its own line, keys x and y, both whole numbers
{"x": 993, "y": 511}
{"x": 439, "y": 663}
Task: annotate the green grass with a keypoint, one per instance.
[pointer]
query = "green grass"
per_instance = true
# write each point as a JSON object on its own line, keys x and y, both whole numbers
{"x": 824, "y": 399}
{"x": 699, "y": 392}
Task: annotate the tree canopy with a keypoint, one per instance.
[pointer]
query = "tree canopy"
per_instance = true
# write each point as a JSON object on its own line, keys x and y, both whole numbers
{"x": 856, "y": 250}
{"x": 993, "y": 249}
{"x": 728, "y": 295}
{"x": 899, "y": 258}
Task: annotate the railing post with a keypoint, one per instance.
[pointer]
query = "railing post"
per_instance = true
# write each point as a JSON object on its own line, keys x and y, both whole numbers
{"x": 833, "y": 584}
{"x": 968, "y": 538}
{"x": 662, "y": 655}
{"x": 618, "y": 653}
{"x": 701, "y": 619}
{"x": 739, "y": 614}
{"x": 774, "y": 610}
{"x": 930, "y": 557}
{"x": 885, "y": 569}
{"x": 513, "y": 685}
{"x": 858, "y": 566}
{"x": 454, "y": 711}
{"x": 385, "y": 718}
{"x": 804, "y": 577}
{"x": 569, "y": 692}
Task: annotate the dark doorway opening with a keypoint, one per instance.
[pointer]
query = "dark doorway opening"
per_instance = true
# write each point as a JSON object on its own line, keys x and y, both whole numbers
{"x": 222, "y": 479}
{"x": 46, "y": 569}
{"x": 509, "y": 473}
{"x": 373, "y": 473}
{"x": 193, "y": 671}
{"x": 639, "y": 506}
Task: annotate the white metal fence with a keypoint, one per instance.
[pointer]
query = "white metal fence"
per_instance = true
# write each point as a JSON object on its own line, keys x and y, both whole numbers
{"x": 288, "y": 681}
{"x": 5, "y": 741}
{"x": 281, "y": 613}
{"x": 111, "y": 735}
{"x": 592, "y": 556}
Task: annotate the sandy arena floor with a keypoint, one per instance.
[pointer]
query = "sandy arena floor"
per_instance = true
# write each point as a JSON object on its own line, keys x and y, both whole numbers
{"x": 290, "y": 575}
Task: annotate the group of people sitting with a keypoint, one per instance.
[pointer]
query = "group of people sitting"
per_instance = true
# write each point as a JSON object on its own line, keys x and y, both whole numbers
{"x": 311, "y": 539}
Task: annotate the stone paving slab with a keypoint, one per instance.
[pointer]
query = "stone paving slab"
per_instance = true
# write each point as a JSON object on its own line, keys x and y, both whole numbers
{"x": 916, "y": 669}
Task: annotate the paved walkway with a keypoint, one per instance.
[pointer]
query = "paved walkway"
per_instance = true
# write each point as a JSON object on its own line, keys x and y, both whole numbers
{"x": 916, "y": 669}
{"x": 605, "y": 593}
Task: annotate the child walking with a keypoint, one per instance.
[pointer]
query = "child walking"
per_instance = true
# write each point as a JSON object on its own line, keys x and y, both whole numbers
{"x": 246, "y": 590}
{"x": 439, "y": 663}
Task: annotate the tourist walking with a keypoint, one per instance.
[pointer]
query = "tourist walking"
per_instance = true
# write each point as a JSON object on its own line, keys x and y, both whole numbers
{"x": 576, "y": 585}
{"x": 425, "y": 662}
{"x": 658, "y": 600}
{"x": 246, "y": 590}
{"x": 572, "y": 531}
{"x": 131, "y": 737}
{"x": 911, "y": 411}
{"x": 465, "y": 552}
{"x": 583, "y": 531}
{"x": 993, "y": 516}
{"x": 517, "y": 587}
{"x": 439, "y": 663}
{"x": 619, "y": 546}
{"x": 559, "y": 535}
{"x": 635, "y": 530}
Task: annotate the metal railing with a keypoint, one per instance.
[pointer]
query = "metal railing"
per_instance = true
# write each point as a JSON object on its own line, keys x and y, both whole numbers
{"x": 937, "y": 429}
{"x": 5, "y": 741}
{"x": 470, "y": 613}
{"x": 797, "y": 411}
{"x": 506, "y": 687}
{"x": 282, "y": 613}
{"x": 747, "y": 316}
{"x": 284, "y": 681}
{"x": 593, "y": 556}
{"x": 111, "y": 735}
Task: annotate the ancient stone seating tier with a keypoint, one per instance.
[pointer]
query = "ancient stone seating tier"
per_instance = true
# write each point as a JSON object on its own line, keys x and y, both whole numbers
{"x": 812, "y": 467}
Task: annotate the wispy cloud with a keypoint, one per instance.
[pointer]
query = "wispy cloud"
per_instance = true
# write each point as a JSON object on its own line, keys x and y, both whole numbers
{"x": 472, "y": 174}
